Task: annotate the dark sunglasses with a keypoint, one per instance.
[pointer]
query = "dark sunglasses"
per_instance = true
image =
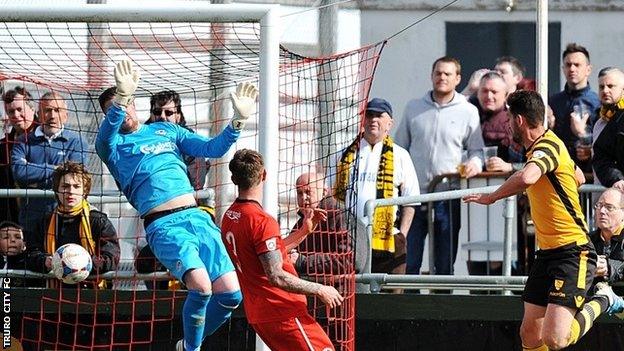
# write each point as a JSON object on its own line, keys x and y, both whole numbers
{"x": 158, "y": 112}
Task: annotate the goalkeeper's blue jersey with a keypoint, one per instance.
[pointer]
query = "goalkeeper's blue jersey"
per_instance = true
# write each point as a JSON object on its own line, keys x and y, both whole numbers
{"x": 148, "y": 163}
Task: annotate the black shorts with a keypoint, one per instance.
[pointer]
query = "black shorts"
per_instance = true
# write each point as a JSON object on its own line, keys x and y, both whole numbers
{"x": 561, "y": 276}
{"x": 385, "y": 261}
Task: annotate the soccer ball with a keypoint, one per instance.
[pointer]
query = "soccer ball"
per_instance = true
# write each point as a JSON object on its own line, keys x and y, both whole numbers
{"x": 71, "y": 263}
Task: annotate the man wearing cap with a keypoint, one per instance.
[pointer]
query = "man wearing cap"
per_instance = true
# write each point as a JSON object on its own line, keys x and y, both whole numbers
{"x": 384, "y": 170}
{"x": 436, "y": 129}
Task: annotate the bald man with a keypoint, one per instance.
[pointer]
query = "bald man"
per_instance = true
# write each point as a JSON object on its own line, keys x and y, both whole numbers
{"x": 323, "y": 251}
{"x": 608, "y": 147}
{"x": 607, "y": 238}
{"x": 36, "y": 155}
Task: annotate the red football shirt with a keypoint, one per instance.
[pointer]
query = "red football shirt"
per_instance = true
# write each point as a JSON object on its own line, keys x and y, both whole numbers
{"x": 249, "y": 232}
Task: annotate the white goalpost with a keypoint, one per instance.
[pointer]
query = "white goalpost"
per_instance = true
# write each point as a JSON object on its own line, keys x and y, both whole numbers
{"x": 310, "y": 110}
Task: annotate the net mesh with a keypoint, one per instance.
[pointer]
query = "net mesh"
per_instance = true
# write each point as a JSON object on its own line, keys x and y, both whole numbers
{"x": 320, "y": 108}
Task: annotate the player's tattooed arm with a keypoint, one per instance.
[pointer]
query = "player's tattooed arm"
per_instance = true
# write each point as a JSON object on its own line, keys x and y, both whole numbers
{"x": 272, "y": 264}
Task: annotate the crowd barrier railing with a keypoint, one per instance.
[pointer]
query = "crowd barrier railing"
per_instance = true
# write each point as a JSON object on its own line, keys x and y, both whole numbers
{"x": 506, "y": 282}
{"x": 376, "y": 281}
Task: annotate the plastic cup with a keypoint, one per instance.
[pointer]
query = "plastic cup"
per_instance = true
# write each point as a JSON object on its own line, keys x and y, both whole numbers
{"x": 489, "y": 151}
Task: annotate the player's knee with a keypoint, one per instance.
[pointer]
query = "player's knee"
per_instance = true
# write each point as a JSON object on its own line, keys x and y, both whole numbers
{"x": 229, "y": 300}
{"x": 198, "y": 283}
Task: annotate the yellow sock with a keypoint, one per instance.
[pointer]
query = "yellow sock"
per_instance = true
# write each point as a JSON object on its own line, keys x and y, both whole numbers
{"x": 583, "y": 320}
{"x": 543, "y": 347}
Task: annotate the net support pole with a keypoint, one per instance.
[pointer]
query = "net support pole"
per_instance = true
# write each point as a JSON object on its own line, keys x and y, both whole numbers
{"x": 268, "y": 122}
{"x": 541, "y": 44}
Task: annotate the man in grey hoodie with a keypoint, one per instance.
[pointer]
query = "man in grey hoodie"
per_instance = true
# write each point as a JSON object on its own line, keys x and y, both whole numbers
{"x": 435, "y": 129}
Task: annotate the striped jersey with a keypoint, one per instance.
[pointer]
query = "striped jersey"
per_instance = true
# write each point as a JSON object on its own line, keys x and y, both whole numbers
{"x": 554, "y": 198}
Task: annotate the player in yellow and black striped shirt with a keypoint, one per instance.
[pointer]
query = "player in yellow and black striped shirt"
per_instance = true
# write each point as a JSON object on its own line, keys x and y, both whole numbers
{"x": 556, "y": 314}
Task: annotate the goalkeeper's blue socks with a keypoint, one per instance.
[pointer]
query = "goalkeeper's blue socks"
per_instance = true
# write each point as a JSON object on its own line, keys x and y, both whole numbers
{"x": 194, "y": 319}
{"x": 220, "y": 309}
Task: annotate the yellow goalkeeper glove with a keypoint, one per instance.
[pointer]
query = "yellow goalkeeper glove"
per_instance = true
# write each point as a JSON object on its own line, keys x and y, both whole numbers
{"x": 244, "y": 102}
{"x": 127, "y": 81}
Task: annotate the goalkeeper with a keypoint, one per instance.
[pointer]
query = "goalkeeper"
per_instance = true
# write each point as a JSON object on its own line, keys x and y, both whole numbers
{"x": 146, "y": 161}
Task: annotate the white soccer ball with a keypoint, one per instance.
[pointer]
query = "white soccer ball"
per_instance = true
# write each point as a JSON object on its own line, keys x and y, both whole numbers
{"x": 71, "y": 263}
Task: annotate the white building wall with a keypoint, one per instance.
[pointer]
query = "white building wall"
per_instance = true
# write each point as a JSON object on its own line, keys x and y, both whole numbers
{"x": 405, "y": 65}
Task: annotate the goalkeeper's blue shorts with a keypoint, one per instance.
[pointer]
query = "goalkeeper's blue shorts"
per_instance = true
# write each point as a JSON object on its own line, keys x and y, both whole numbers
{"x": 186, "y": 240}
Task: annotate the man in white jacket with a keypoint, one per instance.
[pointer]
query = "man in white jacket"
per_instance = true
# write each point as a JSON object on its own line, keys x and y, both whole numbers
{"x": 436, "y": 129}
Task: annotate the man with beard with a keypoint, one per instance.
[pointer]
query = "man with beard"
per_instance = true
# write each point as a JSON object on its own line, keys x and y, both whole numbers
{"x": 146, "y": 161}
{"x": 608, "y": 145}
{"x": 556, "y": 313}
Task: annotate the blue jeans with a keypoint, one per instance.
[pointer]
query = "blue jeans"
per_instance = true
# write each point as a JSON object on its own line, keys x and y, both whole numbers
{"x": 446, "y": 228}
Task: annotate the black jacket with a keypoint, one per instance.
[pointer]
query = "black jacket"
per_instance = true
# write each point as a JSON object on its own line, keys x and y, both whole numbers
{"x": 68, "y": 231}
{"x": 616, "y": 254}
{"x": 19, "y": 262}
{"x": 608, "y": 159}
{"x": 9, "y": 210}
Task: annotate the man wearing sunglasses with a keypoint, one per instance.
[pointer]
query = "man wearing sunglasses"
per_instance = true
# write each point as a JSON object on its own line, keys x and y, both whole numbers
{"x": 146, "y": 162}
{"x": 166, "y": 106}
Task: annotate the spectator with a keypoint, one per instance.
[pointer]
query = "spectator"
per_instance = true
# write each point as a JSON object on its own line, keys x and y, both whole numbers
{"x": 611, "y": 93}
{"x": 511, "y": 70}
{"x": 36, "y": 155}
{"x": 13, "y": 252}
{"x": 607, "y": 238}
{"x": 73, "y": 221}
{"x": 608, "y": 160}
{"x": 12, "y": 247}
{"x": 495, "y": 124}
{"x": 384, "y": 171}
{"x": 435, "y": 129}
{"x": 19, "y": 108}
{"x": 166, "y": 106}
{"x": 570, "y": 126}
{"x": 324, "y": 250}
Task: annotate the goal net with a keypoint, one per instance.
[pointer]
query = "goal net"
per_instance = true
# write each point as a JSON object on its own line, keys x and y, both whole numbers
{"x": 321, "y": 101}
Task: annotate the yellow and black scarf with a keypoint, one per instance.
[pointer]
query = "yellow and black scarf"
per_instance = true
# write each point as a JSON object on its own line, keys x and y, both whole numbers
{"x": 608, "y": 111}
{"x": 383, "y": 217}
{"x": 83, "y": 209}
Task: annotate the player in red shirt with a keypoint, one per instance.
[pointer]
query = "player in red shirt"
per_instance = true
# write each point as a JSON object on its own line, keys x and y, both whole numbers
{"x": 275, "y": 304}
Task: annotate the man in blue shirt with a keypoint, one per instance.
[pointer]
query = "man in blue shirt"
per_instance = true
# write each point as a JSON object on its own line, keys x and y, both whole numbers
{"x": 146, "y": 161}
{"x": 36, "y": 155}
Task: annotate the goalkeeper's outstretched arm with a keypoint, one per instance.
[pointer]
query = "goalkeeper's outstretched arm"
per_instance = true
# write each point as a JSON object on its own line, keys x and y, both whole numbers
{"x": 244, "y": 102}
